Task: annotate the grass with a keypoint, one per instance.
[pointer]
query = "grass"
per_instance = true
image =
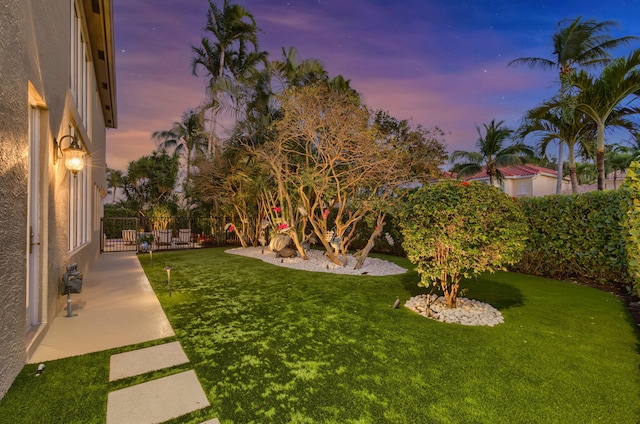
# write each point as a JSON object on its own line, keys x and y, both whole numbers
{"x": 271, "y": 344}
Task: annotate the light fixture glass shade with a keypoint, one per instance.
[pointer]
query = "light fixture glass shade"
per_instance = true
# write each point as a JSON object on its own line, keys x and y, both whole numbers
{"x": 74, "y": 159}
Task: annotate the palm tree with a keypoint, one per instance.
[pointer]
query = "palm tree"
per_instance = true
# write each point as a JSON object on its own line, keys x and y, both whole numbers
{"x": 114, "y": 181}
{"x": 232, "y": 27}
{"x": 618, "y": 158}
{"x": 577, "y": 43}
{"x": 600, "y": 98}
{"x": 292, "y": 71}
{"x": 492, "y": 154}
{"x": 633, "y": 147}
{"x": 586, "y": 172}
{"x": 548, "y": 124}
{"x": 186, "y": 137}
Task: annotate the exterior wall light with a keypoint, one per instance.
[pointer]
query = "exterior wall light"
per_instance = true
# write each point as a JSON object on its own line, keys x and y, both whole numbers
{"x": 73, "y": 155}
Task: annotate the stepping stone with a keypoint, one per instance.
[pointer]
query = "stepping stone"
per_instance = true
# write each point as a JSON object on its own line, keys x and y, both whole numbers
{"x": 145, "y": 360}
{"x": 156, "y": 401}
{"x": 213, "y": 421}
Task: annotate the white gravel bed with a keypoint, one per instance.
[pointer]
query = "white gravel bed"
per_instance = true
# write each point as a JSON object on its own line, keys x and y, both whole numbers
{"x": 467, "y": 312}
{"x": 320, "y": 263}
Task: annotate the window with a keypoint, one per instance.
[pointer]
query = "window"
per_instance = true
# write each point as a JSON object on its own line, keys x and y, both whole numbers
{"x": 79, "y": 213}
{"x": 523, "y": 188}
{"x": 82, "y": 81}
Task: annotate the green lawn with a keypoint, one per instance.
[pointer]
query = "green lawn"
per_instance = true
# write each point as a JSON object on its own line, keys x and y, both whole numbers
{"x": 271, "y": 344}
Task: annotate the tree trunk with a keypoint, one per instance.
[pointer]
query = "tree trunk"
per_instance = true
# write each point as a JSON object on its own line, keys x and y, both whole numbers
{"x": 331, "y": 254}
{"x": 600, "y": 156}
{"x": 243, "y": 243}
{"x": 572, "y": 169}
{"x": 362, "y": 254}
{"x": 574, "y": 179}
{"x": 559, "y": 169}
{"x": 296, "y": 242}
{"x": 450, "y": 293}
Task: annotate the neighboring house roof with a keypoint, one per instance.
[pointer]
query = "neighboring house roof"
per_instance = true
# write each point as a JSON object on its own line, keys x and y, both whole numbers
{"x": 517, "y": 171}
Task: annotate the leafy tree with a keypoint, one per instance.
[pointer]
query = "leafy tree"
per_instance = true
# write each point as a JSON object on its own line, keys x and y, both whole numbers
{"x": 331, "y": 166}
{"x": 577, "y": 43}
{"x": 150, "y": 180}
{"x": 458, "y": 230}
{"x": 492, "y": 154}
{"x": 234, "y": 183}
{"x": 601, "y": 98}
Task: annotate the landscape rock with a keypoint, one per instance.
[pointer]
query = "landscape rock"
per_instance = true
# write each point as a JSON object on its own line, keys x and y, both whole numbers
{"x": 467, "y": 312}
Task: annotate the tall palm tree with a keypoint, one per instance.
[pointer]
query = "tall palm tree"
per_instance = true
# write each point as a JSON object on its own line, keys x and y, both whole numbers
{"x": 551, "y": 121}
{"x": 577, "y": 43}
{"x": 600, "y": 98}
{"x": 186, "y": 137}
{"x": 235, "y": 31}
{"x": 492, "y": 153}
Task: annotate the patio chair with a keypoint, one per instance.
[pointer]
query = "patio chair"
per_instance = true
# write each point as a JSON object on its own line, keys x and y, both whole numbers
{"x": 184, "y": 236}
{"x": 129, "y": 236}
{"x": 162, "y": 237}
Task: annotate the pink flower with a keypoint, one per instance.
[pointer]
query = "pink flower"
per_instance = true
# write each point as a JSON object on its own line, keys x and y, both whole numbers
{"x": 276, "y": 209}
{"x": 231, "y": 228}
{"x": 325, "y": 214}
{"x": 283, "y": 226}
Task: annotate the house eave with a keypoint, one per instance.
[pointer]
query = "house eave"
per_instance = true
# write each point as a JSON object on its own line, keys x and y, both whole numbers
{"x": 99, "y": 18}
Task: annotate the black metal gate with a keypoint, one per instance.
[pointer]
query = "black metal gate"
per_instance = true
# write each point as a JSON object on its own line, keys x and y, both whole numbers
{"x": 119, "y": 234}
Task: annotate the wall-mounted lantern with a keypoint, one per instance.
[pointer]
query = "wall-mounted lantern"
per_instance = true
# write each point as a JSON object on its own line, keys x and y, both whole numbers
{"x": 73, "y": 155}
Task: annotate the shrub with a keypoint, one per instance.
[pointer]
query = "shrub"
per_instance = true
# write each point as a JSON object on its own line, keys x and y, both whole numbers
{"x": 453, "y": 230}
{"x": 631, "y": 223}
{"x": 576, "y": 237}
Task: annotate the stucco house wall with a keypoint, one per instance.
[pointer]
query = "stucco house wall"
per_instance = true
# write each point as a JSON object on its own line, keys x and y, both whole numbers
{"x": 36, "y": 106}
{"x": 525, "y": 180}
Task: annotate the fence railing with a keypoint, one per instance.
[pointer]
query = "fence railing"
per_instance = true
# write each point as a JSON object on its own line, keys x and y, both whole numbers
{"x": 163, "y": 233}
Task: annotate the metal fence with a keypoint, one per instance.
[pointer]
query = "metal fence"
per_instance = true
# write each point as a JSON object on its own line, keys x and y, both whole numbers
{"x": 163, "y": 233}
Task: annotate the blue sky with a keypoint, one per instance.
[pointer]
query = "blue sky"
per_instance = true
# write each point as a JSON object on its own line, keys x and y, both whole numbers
{"x": 437, "y": 63}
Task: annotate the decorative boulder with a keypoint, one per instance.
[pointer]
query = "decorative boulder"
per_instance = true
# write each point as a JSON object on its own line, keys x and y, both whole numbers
{"x": 279, "y": 242}
{"x": 286, "y": 252}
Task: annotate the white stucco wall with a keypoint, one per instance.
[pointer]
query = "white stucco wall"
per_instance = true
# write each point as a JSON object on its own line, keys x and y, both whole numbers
{"x": 35, "y": 57}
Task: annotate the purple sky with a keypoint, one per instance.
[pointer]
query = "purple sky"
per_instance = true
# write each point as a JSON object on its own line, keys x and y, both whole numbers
{"x": 435, "y": 62}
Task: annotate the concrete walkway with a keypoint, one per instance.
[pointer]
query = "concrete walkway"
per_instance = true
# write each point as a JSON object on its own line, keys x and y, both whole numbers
{"x": 117, "y": 307}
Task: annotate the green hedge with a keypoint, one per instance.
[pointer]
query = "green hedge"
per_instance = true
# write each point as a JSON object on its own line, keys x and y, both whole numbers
{"x": 631, "y": 222}
{"x": 577, "y": 237}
